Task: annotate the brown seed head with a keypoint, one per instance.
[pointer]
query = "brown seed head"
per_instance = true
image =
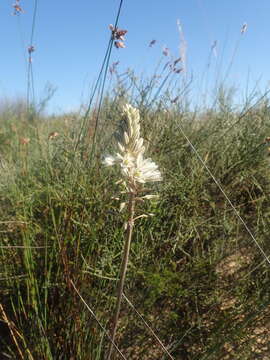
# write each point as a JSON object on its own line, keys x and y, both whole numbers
{"x": 165, "y": 51}
{"x": 31, "y": 49}
{"x": 24, "y": 141}
{"x": 53, "y": 135}
{"x": 119, "y": 44}
{"x": 152, "y": 43}
{"x": 17, "y": 8}
{"x": 244, "y": 28}
{"x": 112, "y": 68}
{"x": 117, "y": 34}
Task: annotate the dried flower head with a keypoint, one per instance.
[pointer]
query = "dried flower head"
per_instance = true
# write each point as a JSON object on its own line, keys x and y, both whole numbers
{"x": 176, "y": 61}
{"x": 165, "y": 51}
{"x": 113, "y": 67}
{"x": 53, "y": 135}
{"x": 214, "y": 45}
{"x": 214, "y": 48}
{"x": 177, "y": 71}
{"x": 24, "y": 141}
{"x": 31, "y": 49}
{"x": 173, "y": 101}
{"x": 17, "y": 8}
{"x": 135, "y": 169}
{"x": 119, "y": 44}
{"x": 244, "y": 28}
{"x": 152, "y": 43}
{"x": 117, "y": 34}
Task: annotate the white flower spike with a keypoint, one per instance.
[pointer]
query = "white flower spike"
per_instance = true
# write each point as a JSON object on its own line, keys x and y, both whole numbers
{"x": 134, "y": 168}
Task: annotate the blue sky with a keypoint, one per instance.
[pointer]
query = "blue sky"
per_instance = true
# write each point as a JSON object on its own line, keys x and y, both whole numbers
{"x": 70, "y": 39}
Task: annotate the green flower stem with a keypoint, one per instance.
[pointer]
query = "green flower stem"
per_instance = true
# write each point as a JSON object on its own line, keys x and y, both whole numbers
{"x": 123, "y": 270}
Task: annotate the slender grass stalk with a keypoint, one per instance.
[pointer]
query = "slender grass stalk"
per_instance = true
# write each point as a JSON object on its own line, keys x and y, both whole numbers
{"x": 30, "y": 76}
{"x": 123, "y": 270}
{"x": 12, "y": 330}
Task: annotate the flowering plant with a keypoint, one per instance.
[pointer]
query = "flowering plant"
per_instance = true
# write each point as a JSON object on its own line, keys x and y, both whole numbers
{"x": 136, "y": 171}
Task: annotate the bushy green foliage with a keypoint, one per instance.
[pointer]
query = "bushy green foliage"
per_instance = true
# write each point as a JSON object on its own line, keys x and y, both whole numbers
{"x": 194, "y": 273}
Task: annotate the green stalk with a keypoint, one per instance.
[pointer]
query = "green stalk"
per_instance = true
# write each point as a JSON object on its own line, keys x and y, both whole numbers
{"x": 123, "y": 271}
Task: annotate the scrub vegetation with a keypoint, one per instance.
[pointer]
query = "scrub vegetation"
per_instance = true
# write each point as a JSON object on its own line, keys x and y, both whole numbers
{"x": 195, "y": 274}
{"x": 194, "y": 284}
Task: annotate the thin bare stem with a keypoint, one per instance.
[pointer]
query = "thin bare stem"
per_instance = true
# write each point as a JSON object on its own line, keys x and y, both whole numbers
{"x": 123, "y": 270}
